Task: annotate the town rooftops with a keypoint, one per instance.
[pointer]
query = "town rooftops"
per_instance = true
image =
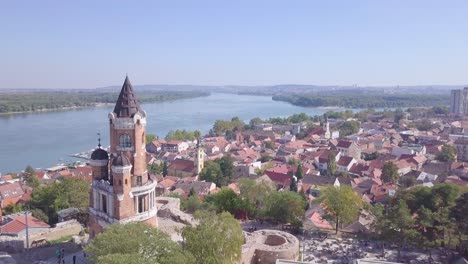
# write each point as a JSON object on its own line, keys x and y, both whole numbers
{"x": 344, "y": 144}
{"x": 182, "y": 165}
{"x": 11, "y": 190}
{"x": 344, "y": 161}
{"x": 14, "y": 224}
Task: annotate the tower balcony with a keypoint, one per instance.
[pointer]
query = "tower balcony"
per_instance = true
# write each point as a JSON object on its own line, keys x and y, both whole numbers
{"x": 139, "y": 217}
{"x": 148, "y": 187}
{"x": 103, "y": 185}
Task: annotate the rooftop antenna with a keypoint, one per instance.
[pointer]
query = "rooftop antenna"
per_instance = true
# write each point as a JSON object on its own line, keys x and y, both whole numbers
{"x": 99, "y": 139}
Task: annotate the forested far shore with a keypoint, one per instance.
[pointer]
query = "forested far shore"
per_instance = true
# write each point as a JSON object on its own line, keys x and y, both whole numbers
{"x": 56, "y": 100}
{"x": 361, "y": 100}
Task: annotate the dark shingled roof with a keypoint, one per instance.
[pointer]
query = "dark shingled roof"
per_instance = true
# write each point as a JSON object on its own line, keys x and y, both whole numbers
{"x": 127, "y": 104}
{"x": 99, "y": 154}
{"x": 121, "y": 160}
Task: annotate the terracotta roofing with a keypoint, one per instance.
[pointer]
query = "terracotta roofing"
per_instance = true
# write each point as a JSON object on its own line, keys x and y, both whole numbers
{"x": 127, "y": 104}
{"x": 279, "y": 178}
{"x": 344, "y": 144}
{"x": 344, "y": 161}
{"x": 17, "y": 223}
{"x": 182, "y": 165}
{"x": 11, "y": 190}
{"x": 99, "y": 154}
{"x": 121, "y": 160}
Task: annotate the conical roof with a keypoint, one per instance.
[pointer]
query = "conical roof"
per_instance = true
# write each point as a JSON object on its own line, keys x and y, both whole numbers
{"x": 127, "y": 104}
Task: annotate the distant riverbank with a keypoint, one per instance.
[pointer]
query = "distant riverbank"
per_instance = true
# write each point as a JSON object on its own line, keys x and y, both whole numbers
{"x": 363, "y": 100}
{"x": 42, "y": 101}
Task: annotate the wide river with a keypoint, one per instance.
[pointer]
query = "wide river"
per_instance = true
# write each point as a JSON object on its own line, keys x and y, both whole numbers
{"x": 48, "y": 138}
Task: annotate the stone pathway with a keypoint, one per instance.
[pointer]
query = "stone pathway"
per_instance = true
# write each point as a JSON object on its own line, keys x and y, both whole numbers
{"x": 68, "y": 259}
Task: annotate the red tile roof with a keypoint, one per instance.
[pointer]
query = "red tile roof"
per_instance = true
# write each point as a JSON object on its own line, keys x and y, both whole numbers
{"x": 182, "y": 165}
{"x": 279, "y": 178}
{"x": 11, "y": 190}
{"x": 344, "y": 161}
{"x": 344, "y": 144}
{"x": 18, "y": 224}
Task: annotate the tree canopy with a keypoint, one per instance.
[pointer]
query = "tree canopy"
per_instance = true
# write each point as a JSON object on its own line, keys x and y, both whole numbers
{"x": 284, "y": 207}
{"x": 136, "y": 243}
{"x": 349, "y": 128}
{"x": 219, "y": 171}
{"x": 389, "y": 172}
{"x": 183, "y": 135}
{"x": 217, "y": 239}
{"x": 60, "y": 195}
{"x": 331, "y": 164}
{"x": 341, "y": 203}
{"x": 447, "y": 153}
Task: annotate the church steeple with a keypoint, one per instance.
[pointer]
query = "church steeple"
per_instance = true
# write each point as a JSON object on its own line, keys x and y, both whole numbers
{"x": 127, "y": 104}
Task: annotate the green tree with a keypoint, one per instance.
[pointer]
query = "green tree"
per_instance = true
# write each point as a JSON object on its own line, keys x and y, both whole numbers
{"x": 459, "y": 213}
{"x": 447, "y": 153}
{"x": 154, "y": 168}
{"x": 29, "y": 171}
{"x": 39, "y": 214}
{"x": 197, "y": 134}
{"x": 60, "y": 195}
{"x": 396, "y": 226}
{"x": 211, "y": 172}
{"x": 341, "y": 203}
{"x": 216, "y": 239}
{"x": 284, "y": 207}
{"x": 299, "y": 172}
{"x": 32, "y": 181}
{"x": 255, "y": 193}
{"x": 12, "y": 208}
{"x": 164, "y": 169}
{"x": 399, "y": 115}
{"x": 331, "y": 164}
{"x": 349, "y": 128}
{"x": 390, "y": 172}
{"x": 270, "y": 145}
{"x": 150, "y": 138}
{"x": 255, "y": 121}
{"x": 226, "y": 164}
{"x": 136, "y": 243}
{"x": 226, "y": 200}
{"x": 293, "y": 185}
{"x": 191, "y": 204}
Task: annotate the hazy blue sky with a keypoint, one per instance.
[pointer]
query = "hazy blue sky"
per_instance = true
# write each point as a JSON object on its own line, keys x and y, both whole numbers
{"x": 85, "y": 44}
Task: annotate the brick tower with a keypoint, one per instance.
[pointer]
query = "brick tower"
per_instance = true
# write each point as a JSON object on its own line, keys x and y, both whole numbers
{"x": 122, "y": 191}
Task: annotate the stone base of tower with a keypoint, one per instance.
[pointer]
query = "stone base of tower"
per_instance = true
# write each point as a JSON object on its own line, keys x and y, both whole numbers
{"x": 94, "y": 227}
{"x": 153, "y": 221}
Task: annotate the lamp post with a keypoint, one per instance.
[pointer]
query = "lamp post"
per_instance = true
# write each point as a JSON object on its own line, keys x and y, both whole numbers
{"x": 27, "y": 229}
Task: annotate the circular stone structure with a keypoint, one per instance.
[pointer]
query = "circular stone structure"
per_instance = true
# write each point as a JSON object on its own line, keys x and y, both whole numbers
{"x": 266, "y": 246}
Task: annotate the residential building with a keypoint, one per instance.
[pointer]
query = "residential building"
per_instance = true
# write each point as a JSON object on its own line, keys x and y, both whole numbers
{"x": 456, "y": 102}
{"x": 461, "y": 144}
{"x": 349, "y": 149}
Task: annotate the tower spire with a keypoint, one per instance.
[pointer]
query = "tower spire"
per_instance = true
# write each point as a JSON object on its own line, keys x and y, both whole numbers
{"x": 99, "y": 139}
{"x": 127, "y": 104}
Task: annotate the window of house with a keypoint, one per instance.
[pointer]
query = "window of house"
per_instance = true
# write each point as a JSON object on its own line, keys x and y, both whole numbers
{"x": 126, "y": 182}
{"x": 125, "y": 141}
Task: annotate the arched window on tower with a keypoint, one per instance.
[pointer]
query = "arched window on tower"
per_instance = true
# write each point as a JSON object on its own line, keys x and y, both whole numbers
{"x": 125, "y": 141}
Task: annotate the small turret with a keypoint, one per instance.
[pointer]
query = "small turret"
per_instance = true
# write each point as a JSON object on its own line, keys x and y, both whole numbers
{"x": 99, "y": 162}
